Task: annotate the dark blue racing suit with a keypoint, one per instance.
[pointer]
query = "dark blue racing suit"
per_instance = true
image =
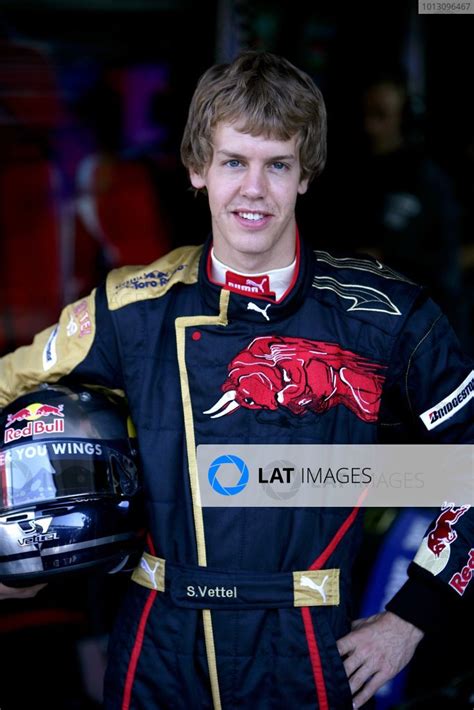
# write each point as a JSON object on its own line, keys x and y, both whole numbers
{"x": 352, "y": 353}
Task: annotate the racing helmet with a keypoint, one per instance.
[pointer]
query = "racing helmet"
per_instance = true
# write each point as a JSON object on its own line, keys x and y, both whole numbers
{"x": 70, "y": 494}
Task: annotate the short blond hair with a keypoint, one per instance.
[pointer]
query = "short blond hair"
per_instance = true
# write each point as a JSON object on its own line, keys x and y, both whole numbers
{"x": 265, "y": 95}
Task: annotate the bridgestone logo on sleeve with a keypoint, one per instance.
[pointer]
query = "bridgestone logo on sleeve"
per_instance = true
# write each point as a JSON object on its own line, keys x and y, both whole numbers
{"x": 451, "y": 404}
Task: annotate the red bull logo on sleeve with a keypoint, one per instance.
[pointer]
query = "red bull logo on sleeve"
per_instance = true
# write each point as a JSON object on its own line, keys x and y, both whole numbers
{"x": 301, "y": 376}
{"x": 33, "y": 414}
{"x": 443, "y": 534}
{"x": 434, "y": 552}
{"x": 460, "y": 580}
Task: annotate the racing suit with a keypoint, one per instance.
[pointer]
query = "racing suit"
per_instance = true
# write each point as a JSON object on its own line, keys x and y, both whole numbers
{"x": 352, "y": 353}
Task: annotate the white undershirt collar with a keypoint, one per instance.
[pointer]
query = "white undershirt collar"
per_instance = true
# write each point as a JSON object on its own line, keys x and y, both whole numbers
{"x": 280, "y": 279}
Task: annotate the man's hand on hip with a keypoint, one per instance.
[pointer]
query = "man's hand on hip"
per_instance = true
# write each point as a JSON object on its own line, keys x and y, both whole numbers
{"x": 376, "y": 650}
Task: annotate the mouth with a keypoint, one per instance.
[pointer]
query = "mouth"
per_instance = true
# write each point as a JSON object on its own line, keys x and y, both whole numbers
{"x": 252, "y": 219}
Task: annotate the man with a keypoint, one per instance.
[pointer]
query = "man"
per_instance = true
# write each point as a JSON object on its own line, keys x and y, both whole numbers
{"x": 251, "y": 339}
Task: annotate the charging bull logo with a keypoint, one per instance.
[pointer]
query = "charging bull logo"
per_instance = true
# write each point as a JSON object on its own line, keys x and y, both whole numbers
{"x": 300, "y": 375}
{"x": 35, "y": 411}
{"x": 435, "y": 550}
{"x": 443, "y": 534}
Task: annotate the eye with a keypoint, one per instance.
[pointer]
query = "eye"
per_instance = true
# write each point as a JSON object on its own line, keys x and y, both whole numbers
{"x": 249, "y": 400}
{"x": 279, "y": 165}
{"x": 234, "y": 163}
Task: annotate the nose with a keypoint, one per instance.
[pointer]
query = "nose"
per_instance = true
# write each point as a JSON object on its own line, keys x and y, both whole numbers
{"x": 253, "y": 183}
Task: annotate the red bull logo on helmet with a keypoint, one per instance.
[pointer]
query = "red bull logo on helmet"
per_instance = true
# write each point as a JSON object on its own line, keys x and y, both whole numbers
{"x": 33, "y": 414}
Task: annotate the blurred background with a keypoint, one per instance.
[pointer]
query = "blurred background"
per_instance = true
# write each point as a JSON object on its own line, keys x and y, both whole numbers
{"x": 93, "y": 101}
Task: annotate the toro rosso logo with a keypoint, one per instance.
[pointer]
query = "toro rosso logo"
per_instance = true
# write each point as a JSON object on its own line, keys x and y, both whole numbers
{"x": 32, "y": 413}
{"x": 302, "y": 376}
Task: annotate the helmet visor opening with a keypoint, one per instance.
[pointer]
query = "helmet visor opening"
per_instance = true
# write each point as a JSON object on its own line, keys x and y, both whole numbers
{"x": 43, "y": 472}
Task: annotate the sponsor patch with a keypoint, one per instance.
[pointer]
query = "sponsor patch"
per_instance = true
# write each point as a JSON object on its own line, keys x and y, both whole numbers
{"x": 50, "y": 357}
{"x": 33, "y": 429}
{"x": 460, "y": 580}
{"x": 447, "y": 407}
{"x": 434, "y": 552}
{"x": 149, "y": 279}
{"x": 316, "y": 587}
{"x": 79, "y": 321}
{"x": 257, "y": 285}
{"x": 31, "y": 414}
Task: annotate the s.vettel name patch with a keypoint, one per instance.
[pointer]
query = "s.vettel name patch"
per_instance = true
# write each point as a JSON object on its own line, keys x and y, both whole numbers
{"x": 451, "y": 404}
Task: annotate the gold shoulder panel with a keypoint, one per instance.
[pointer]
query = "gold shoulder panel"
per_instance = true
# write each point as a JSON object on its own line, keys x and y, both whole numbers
{"x": 140, "y": 283}
{"x": 54, "y": 353}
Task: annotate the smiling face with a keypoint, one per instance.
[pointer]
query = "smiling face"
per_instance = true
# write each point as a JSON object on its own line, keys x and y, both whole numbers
{"x": 252, "y": 184}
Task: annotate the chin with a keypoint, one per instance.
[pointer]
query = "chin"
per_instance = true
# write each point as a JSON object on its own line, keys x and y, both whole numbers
{"x": 253, "y": 243}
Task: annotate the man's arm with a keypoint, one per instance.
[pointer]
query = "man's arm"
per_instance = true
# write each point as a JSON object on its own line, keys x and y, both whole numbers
{"x": 439, "y": 390}
{"x": 81, "y": 345}
{"x": 20, "y": 592}
{"x": 435, "y": 372}
{"x": 439, "y": 584}
{"x": 379, "y": 647}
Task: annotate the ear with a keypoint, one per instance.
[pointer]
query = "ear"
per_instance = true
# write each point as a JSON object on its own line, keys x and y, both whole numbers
{"x": 303, "y": 186}
{"x": 198, "y": 181}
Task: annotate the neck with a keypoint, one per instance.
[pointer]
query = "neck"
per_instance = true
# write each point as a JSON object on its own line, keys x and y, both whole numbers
{"x": 277, "y": 256}
{"x": 250, "y": 265}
